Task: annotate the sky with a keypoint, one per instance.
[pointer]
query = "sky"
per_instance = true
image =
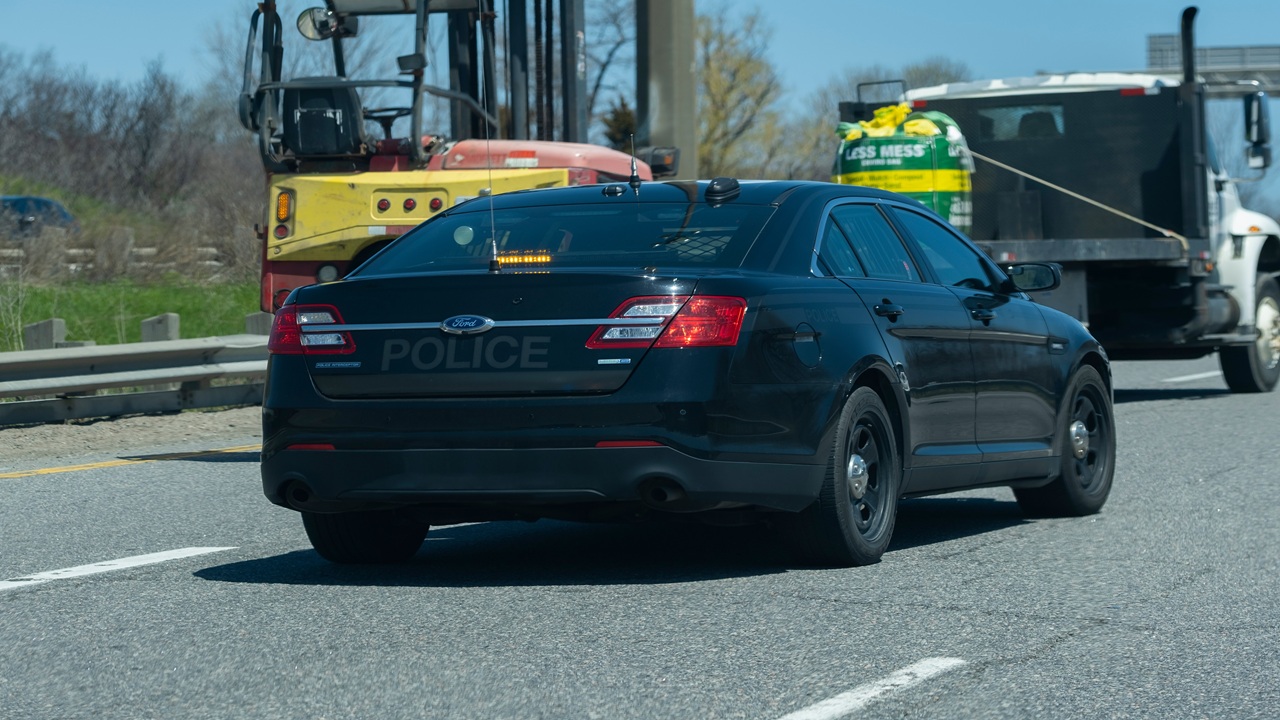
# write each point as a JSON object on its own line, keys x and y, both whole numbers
{"x": 996, "y": 38}
{"x": 813, "y": 40}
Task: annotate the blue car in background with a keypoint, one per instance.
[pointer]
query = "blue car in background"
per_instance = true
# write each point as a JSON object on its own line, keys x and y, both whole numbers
{"x": 23, "y": 215}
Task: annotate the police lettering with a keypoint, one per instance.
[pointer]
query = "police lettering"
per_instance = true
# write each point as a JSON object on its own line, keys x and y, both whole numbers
{"x": 501, "y": 352}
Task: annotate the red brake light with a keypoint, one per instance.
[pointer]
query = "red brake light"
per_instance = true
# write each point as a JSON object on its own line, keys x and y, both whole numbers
{"x": 705, "y": 321}
{"x": 288, "y": 336}
{"x": 673, "y": 322}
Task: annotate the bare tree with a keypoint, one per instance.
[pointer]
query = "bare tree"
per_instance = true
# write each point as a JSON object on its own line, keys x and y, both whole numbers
{"x": 159, "y": 148}
{"x": 134, "y": 159}
{"x": 934, "y": 70}
{"x": 738, "y": 89}
{"x": 611, "y": 42}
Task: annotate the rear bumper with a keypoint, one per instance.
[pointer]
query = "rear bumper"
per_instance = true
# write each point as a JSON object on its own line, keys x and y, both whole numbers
{"x": 533, "y": 482}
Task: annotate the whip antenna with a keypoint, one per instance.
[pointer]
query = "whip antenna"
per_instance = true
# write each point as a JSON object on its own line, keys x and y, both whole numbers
{"x": 495, "y": 267}
{"x": 634, "y": 182}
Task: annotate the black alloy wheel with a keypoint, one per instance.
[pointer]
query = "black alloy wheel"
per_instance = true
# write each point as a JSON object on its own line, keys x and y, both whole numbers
{"x": 1088, "y": 454}
{"x": 852, "y": 521}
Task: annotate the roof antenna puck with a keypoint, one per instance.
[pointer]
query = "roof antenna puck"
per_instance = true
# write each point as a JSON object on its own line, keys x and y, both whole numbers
{"x": 722, "y": 190}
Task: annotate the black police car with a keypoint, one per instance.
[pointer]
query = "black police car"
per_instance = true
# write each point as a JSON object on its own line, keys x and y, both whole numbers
{"x": 804, "y": 354}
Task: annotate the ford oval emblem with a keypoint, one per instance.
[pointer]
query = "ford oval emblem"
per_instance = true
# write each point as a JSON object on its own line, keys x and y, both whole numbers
{"x": 467, "y": 325}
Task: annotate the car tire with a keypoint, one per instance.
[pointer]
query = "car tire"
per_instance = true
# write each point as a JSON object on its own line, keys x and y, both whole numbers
{"x": 1255, "y": 368}
{"x": 362, "y": 538}
{"x": 852, "y": 520}
{"x": 1088, "y": 454}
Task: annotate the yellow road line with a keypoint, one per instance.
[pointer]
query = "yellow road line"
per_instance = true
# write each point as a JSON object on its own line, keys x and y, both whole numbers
{"x": 129, "y": 461}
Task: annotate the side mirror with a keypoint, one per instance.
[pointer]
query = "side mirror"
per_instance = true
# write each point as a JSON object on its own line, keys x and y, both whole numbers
{"x": 320, "y": 24}
{"x": 1257, "y": 130}
{"x": 1257, "y": 119}
{"x": 662, "y": 161}
{"x": 1035, "y": 277}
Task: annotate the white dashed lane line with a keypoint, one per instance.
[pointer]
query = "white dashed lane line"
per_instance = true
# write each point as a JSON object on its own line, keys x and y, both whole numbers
{"x": 1193, "y": 378}
{"x": 107, "y": 566}
{"x": 863, "y": 695}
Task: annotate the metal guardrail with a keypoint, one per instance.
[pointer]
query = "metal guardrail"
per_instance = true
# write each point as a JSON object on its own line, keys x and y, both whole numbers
{"x": 53, "y": 252}
{"x": 70, "y": 375}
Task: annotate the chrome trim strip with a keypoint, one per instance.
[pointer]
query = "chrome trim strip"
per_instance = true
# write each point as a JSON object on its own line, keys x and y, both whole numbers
{"x": 643, "y": 322}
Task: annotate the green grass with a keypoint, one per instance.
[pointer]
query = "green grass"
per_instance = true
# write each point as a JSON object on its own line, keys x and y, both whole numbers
{"x": 112, "y": 313}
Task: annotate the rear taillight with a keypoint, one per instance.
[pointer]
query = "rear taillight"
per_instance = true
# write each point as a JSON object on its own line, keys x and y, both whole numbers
{"x": 646, "y": 315}
{"x": 705, "y": 321}
{"x": 673, "y": 322}
{"x": 296, "y": 331}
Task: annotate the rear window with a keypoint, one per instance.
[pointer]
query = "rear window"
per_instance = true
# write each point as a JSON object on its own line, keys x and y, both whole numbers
{"x": 1021, "y": 122}
{"x": 625, "y": 234}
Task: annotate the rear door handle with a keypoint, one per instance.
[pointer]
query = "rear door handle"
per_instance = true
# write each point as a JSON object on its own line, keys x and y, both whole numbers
{"x": 889, "y": 310}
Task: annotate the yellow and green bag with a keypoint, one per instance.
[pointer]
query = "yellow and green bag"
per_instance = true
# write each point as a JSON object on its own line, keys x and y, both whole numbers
{"x": 922, "y": 155}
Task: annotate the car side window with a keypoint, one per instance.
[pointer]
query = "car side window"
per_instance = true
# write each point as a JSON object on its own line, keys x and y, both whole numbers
{"x": 875, "y": 243}
{"x": 954, "y": 262}
{"x": 837, "y": 254}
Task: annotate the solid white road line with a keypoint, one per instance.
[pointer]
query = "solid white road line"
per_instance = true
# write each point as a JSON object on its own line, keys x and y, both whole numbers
{"x": 1193, "y": 378}
{"x": 863, "y": 695}
{"x": 108, "y": 566}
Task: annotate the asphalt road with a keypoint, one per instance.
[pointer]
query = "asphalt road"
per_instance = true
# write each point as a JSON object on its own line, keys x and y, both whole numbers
{"x": 1163, "y": 606}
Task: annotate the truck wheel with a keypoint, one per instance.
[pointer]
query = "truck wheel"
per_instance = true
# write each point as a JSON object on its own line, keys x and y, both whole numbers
{"x": 1088, "y": 456}
{"x": 1256, "y": 368}
{"x": 363, "y": 538}
{"x": 851, "y": 523}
